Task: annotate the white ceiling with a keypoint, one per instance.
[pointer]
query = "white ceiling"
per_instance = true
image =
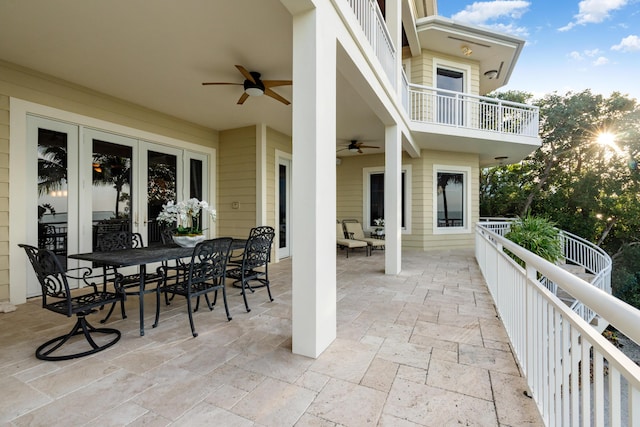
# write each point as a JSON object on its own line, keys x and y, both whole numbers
{"x": 157, "y": 54}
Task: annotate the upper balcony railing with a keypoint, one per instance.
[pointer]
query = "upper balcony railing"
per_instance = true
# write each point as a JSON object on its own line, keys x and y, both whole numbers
{"x": 444, "y": 107}
{"x": 375, "y": 29}
{"x": 575, "y": 375}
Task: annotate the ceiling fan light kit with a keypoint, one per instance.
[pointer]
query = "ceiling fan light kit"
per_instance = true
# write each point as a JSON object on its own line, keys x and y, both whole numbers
{"x": 254, "y": 86}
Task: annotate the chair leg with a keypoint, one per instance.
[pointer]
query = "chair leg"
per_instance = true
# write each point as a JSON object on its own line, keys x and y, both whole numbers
{"x": 111, "y": 311}
{"x": 158, "y": 290}
{"x": 224, "y": 298}
{"x": 81, "y": 327}
{"x": 193, "y": 328}
{"x": 244, "y": 295}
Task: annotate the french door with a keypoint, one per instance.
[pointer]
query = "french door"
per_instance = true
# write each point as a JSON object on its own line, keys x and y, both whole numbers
{"x": 284, "y": 204}
{"x": 89, "y": 182}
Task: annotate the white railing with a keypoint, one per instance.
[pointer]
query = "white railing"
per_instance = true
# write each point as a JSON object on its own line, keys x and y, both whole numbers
{"x": 375, "y": 30}
{"x": 450, "y": 108}
{"x": 575, "y": 375}
{"x": 576, "y": 250}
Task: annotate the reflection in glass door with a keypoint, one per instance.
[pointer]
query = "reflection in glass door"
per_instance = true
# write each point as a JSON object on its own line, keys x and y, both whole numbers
{"x": 54, "y": 208}
{"x": 162, "y": 187}
{"x": 52, "y": 192}
{"x": 111, "y": 171}
{"x": 450, "y": 106}
{"x": 284, "y": 201}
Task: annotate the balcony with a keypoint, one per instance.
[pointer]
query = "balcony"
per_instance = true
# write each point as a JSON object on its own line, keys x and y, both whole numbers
{"x": 429, "y": 105}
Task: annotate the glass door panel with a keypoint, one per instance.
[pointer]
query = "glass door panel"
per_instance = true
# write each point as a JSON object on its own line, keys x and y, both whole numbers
{"x": 450, "y": 108}
{"x": 111, "y": 188}
{"x": 54, "y": 209}
{"x": 284, "y": 203}
{"x": 162, "y": 187}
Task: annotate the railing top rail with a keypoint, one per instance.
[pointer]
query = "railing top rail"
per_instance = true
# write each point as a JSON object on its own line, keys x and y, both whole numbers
{"x": 420, "y": 88}
{"x": 595, "y": 248}
{"x": 620, "y": 314}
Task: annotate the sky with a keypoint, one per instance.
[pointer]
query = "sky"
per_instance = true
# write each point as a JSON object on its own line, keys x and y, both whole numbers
{"x": 570, "y": 45}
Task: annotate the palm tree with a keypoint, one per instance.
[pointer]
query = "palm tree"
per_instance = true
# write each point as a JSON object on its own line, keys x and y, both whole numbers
{"x": 445, "y": 179}
{"x": 111, "y": 170}
{"x": 52, "y": 168}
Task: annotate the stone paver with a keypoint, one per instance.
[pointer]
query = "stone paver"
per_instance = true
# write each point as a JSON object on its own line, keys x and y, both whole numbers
{"x": 423, "y": 348}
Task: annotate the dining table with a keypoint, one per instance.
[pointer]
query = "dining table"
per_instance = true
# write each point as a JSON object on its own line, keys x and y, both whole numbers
{"x": 141, "y": 257}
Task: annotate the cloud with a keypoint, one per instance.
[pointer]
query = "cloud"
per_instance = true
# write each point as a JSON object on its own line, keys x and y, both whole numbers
{"x": 479, "y": 13}
{"x": 587, "y": 53}
{"x": 594, "y": 12}
{"x": 628, "y": 44}
{"x": 600, "y": 61}
{"x": 576, "y": 55}
{"x": 521, "y": 32}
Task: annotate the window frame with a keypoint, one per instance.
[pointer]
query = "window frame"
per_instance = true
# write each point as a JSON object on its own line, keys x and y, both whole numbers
{"x": 366, "y": 187}
{"x": 466, "y": 194}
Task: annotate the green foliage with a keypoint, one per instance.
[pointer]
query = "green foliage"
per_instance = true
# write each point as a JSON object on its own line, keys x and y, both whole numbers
{"x": 537, "y": 235}
{"x": 625, "y": 278}
{"x": 586, "y": 188}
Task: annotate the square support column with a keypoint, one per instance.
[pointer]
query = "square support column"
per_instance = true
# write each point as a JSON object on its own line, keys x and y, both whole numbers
{"x": 393, "y": 200}
{"x": 314, "y": 183}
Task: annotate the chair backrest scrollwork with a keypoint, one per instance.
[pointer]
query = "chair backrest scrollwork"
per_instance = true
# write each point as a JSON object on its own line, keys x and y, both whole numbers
{"x": 257, "y": 251}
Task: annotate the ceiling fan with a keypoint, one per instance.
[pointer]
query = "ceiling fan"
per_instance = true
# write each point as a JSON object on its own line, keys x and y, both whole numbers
{"x": 254, "y": 86}
{"x": 356, "y": 147}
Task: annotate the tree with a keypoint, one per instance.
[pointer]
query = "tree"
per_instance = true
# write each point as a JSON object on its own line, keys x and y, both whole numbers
{"x": 112, "y": 170}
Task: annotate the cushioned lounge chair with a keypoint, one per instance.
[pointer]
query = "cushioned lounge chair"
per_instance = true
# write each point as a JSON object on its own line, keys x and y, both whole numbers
{"x": 353, "y": 230}
{"x": 347, "y": 244}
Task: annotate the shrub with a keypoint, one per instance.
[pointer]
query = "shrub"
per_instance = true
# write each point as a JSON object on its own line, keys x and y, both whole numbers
{"x": 537, "y": 235}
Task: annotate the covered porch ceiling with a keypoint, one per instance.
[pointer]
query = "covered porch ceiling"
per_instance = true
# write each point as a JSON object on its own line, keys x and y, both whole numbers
{"x": 157, "y": 56}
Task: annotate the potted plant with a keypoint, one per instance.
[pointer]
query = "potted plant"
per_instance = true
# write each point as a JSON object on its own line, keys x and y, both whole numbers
{"x": 379, "y": 223}
{"x": 186, "y": 218}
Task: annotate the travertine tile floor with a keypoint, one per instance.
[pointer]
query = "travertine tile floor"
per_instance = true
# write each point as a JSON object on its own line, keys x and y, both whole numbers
{"x": 423, "y": 348}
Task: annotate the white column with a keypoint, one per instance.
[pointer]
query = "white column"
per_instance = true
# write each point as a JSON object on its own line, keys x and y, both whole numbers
{"x": 314, "y": 183}
{"x": 261, "y": 174}
{"x": 393, "y": 200}
{"x": 393, "y": 19}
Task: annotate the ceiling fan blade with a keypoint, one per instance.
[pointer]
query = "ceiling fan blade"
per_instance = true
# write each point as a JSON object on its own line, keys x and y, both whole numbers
{"x": 243, "y": 98}
{"x": 247, "y": 75}
{"x": 274, "y": 95}
{"x": 342, "y": 149}
{"x": 367, "y": 146}
{"x": 274, "y": 83}
{"x": 359, "y": 151}
{"x": 220, "y": 83}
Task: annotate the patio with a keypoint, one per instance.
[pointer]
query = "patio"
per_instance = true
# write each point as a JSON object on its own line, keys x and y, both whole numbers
{"x": 421, "y": 348}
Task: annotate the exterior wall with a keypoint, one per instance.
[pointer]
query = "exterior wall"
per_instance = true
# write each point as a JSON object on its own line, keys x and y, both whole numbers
{"x": 29, "y": 85}
{"x": 237, "y": 182}
{"x": 421, "y": 69}
{"x": 350, "y": 198}
{"x": 450, "y": 240}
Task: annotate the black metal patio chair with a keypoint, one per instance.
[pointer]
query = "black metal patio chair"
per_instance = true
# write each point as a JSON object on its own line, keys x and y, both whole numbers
{"x": 57, "y": 297}
{"x": 254, "y": 265}
{"x": 119, "y": 240}
{"x": 203, "y": 274}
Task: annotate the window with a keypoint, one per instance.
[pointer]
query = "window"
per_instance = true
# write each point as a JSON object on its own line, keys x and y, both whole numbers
{"x": 374, "y": 197}
{"x": 452, "y": 204}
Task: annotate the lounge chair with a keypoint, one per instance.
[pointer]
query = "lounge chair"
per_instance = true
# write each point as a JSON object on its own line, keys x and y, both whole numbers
{"x": 353, "y": 230}
{"x": 347, "y": 244}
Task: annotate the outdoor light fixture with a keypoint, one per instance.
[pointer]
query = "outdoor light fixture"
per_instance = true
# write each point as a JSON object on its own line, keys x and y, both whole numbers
{"x": 501, "y": 159}
{"x": 253, "y": 89}
{"x": 491, "y": 74}
{"x": 466, "y": 50}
